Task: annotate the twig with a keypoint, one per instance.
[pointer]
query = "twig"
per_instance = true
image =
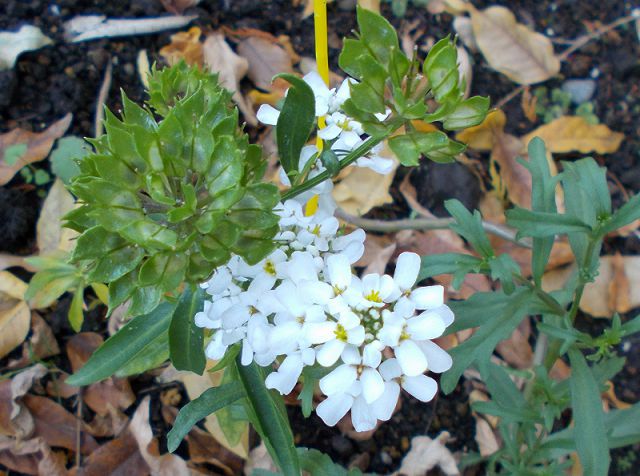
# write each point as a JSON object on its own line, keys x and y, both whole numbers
{"x": 102, "y": 98}
{"x": 91, "y": 27}
{"x": 425, "y": 224}
{"x": 79, "y": 430}
{"x": 510, "y": 96}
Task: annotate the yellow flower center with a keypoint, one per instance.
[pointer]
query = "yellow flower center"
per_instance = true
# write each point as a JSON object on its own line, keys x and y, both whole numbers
{"x": 374, "y": 296}
{"x": 341, "y": 333}
{"x": 269, "y": 267}
{"x": 316, "y": 230}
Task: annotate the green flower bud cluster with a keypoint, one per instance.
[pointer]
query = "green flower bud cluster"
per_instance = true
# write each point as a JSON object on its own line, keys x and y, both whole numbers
{"x": 166, "y": 201}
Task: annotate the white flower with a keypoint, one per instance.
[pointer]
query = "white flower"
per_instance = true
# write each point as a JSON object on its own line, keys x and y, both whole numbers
{"x": 405, "y": 276}
{"x": 419, "y": 386}
{"x": 285, "y": 378}
{"x": 374, "y": 161}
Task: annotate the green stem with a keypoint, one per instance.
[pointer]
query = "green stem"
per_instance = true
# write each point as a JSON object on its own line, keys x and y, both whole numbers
{"x": 545, "y": 297}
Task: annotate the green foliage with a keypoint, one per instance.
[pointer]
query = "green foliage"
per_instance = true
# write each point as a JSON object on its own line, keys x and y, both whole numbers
{"x": 551, "y": 105}
{"x": 167, "y": 201}
{"x": 186, "y": 340}
{"x": 63, "y": 158}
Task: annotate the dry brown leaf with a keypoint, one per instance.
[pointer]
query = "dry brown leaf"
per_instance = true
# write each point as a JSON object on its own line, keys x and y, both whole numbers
{"x": 373, "y": 5}
{"x": 516, "y": 350}
{"x": 15, "y": 315}
{"x": 51, "y": 235}
{"x": 41, "y": 345}
{"x": 100, "y": 396}
{"x": 9, "y": 261}
{"x": 259, "y": 459}
{"x": 185, "y": 45}
{"x": 161, "y": 465}
{"x": 574, "y": 133}
{"x": 378, "y": 251}
{"x": 483, "y": 136}
{"x": 615, "y": 289}
{"x": 220, "y": 58}
{"x": 117, "y": 457}
{"x": 33, "y": 456}
{"x": 177, "y": 7}
{"x": 427, "y": 453}
{"x": 528, "y": 104}
{"x": 462, "y": 26}
{"x": 265, "y": 59}
{"x": 511, "y": 48}
{"x": 15, "y": 419}
{"x": 38, "y": 146}
{"x": 611, "y": 397}
{"x": 56, "y": 425}
{"x": 486, "y": 438}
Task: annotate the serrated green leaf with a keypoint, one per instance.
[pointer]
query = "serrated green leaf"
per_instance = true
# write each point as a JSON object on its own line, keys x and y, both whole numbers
{"x": 186, "y": 340}
{"x": 124, "y": 346}
{"x": 469, "y": 227}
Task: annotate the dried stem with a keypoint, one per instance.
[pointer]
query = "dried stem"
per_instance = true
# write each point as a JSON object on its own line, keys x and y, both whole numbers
{"x": 102, "y": 98}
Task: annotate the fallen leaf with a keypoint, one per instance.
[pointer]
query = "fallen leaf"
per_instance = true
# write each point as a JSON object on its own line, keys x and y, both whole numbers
{"x": 57, "y": 426}
{"x": 12, "y": 44}
{"x": 32, "y": 456}
{"x": 185, "y": 45}
{"x": 220, "y": 58}
{"x": 15, "y": 419}
{"x": 259, "y": 459}
{"x": 177, "y": 7}
{"x": 427, "y": 453}
{"x": 15, "y": 315}
{"x": 464, "y": 29}
{"x": 615, "y": 289}
{"x": 90, "y": 27}
{"x": 117, "y": 457}
{"x": 113, "y": 423}
{"x": 50, "y": 234}
{"x": 265, "y": 60}
{"x": 486, "y": 438}
{"x": 516, "y": 350}
{"x": 574, "y": 133}
{"x": 9, "y": 261}
{"x": 41, "y": 345}
{"x": 610, "y": 396}
{"x": 373, "y": 5}
{"x": 161, "y": 465}
{"x": 528, "y": 104}
{"x": 511, "y": 48}
{"x": 378, "y": 251}
{"x": 38, "y": 146}
{"x": 483, "y": 136}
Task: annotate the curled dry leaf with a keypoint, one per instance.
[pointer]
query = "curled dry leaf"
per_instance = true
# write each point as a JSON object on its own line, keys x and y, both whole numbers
{"x": 117, "y": 457}
{"x": 15, "y": 419}
{"x": 511, "y": 48}
{"x": 177, "y": 7}
{"x": 51, "y": 235}
{"x": 41, "y": 345}
{"x": 32, "y": 456}
{"x": 13, "y": 43}
{"x": 265, "y": 60}
{"x": 615, "y": 289}
{"x": 15, "y": 315}
{"x": 483, "y": 136}
{"x": 574, "y": 133}
{"x": 185, "y": 45}
{"x": 427, "y": 453}
{"x": 486, "y": 437}
{"x": 220, "y": 58}
{"x": 38, "y": 146}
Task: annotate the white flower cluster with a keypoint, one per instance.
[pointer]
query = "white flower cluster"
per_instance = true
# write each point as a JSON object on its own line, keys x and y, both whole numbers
{"x": 303, "y": 305}
{"x": 344, "y": 133}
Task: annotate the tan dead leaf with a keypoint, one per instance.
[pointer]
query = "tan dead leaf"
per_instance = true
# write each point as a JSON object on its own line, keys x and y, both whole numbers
{"x": 32, "y": 456}
{"x": 177, "y": 7}
{"x": 204, "y": 448}
{"x": 15, "y": 419}
{"x": 373, "y": 5}
{"x": 9, "y": 261}
{"x": 511, "y": 48}
{"x": 15, "y": 315}
{"x": 259, "y": 459}
{"x": 41, "y": 345}
{"x": 112, "y": 392}
{"x": 51, "y": 235}
{"x": 56, "y": 425}
{"x": 160, "y": 465}
{"x": 266, "y": 59}
{"x": 528, "y": 104}
{"x": 427, "y": 453}
{"x": 378, "y": 251}
{"x": 615, "y": 289}
{"x": 185, "y": 45}
{"x": 611, "y": 397}
{"x": 464, "y": 29}
{"x": 38, "y": 146}
{"x": 483, "y": 136}
{"x": 574, "y": 133}
{"x": 486, "y": 438}
{"x": 363, "y": 189}
{"x": 117, "y": 457}
{"x": 231, "y": 68}
{"x": 516, "y": 350}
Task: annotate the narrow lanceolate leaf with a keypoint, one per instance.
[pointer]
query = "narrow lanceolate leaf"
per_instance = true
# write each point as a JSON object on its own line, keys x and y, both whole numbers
{"x": 629, "y": 212}
{"x": 124, "y": 346}
{"x": 590, "y": 434}
{"x": 295, "y": 122}
{"x": 268, "y": 416}
{"x": 209, "y": 402}
{"x": 543, "y": 224}
{"x": 186, "y": 340}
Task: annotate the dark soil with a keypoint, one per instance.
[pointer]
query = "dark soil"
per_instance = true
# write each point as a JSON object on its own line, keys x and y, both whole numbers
{"x": 46, "y": 84}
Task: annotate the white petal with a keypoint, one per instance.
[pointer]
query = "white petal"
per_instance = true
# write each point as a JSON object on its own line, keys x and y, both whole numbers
{"x": 329, "y": 353}
{"x": 215, "y": 349}
{"x": 372, "y": 385}
{"x": 247, "y": 353}
{"x": 338, "y": 379}
{"x": 411, "y": 359}
{"x": 353, "y": 251}
{"x": 268, "y": 115}
{"x": 438, "y": 360}
{"x": 284, "y": 337}
{"x": 332, "y": 409}
{"x": 427, "y": 325}
{"x": 390, "y": 369}
{"x": 287, "y": 375}
{"x": 421, "y": 387}
{"x": 390, "y": 334}
{"x": 446, "y": 314}
{"x": 339, "y": 270}
{"x": 320, "y": 332}
{"x": 316, "y": 292}
{"x": 407, "y": 269}
{"x": 371, "y": 355}
{"x": 383, "y": 407}
{"x": 388, "y": 288}
{"x": 370, "y": 282}
{"x": 317, "y": 84}
{"x": 351, "y": 355}
{"x": 404, "y": 307}
{"x": 428, "y": 297}
{"x": 362, "y": 416}
{"x": 330, "y": 132}
{"x": 356, "y": 335}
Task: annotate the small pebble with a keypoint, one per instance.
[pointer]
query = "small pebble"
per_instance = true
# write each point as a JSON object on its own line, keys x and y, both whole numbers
{"x": 595, "y": 73}
{"x": 385, "y": 457}
{"x": 580, "y": 90}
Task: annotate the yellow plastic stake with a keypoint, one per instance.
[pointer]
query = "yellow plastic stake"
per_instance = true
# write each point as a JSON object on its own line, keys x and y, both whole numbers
{"x": 322, "y": 48}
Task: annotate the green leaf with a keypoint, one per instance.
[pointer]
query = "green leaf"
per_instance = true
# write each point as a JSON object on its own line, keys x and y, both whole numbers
{"x": 409, "y": 147}
{"x": 13, "y": 153}
{"x": 268, "y": 415}
{"x": 457, "y": 264}
{"x": 626, "y": 214}
{"x": 467, "y": 113}
{"x": 469, "y": 227}
{"x": 154, "y": 354}
{"x": 48, "y": 285}
{"x": 186, "y": 340}
{"x": 317, "y": 463}
{"x": 63, "y": 157}
{"x": 480, "y": 346}
{"x": 295, "y": 122}
{"x": 588, "y": 416}
{"x": 503, "y": 267}
{"x": 76, "y": 314}
{"x": 209, "y": 402}
{"x": 124, "y": 346}
{"x": 544, "y": 224}
{"x": 377, "y": 34}
{"x": 441, "y": 69}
